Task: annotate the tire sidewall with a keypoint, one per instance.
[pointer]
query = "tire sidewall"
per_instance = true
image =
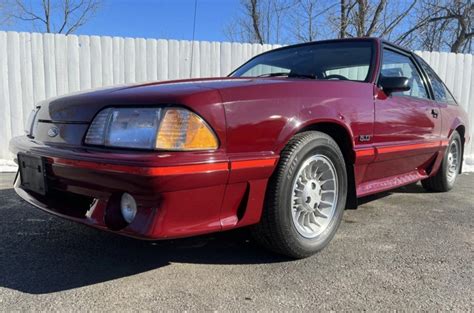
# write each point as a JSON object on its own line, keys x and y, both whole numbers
{"x": 454, "y": 137}
{"x": 328, "y": 148}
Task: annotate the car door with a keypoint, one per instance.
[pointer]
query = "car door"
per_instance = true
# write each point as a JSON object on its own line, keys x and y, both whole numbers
{"x": 444, "y": 98}
{"x": 406, "y": 125}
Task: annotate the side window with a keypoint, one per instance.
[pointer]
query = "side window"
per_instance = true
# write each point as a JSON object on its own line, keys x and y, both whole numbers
{"x": 441, "y": 92}
{"x": 398, "y": 65}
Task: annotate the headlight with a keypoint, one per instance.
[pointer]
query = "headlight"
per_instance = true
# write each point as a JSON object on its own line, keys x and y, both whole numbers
{"x": 31, "y": 122}
{"x": 151, "y": 128}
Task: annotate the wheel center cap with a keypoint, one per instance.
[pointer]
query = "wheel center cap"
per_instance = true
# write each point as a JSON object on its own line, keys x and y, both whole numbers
{"x": 311, "y": 195}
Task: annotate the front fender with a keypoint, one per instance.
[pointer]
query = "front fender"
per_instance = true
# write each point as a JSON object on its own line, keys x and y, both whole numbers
{"x": 293, "y": 128}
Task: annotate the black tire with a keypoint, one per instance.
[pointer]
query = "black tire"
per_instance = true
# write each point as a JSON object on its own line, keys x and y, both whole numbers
{"x": 276, "y": 230}
{"x": 440, "y": 182}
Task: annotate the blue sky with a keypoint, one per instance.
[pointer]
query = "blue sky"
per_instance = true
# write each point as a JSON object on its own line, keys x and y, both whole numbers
{"x": 173, "y": 19}
{"x": 166, "y": 19}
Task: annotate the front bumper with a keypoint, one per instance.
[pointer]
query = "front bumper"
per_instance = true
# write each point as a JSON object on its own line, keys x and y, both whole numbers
{"x": 178, "y": 194}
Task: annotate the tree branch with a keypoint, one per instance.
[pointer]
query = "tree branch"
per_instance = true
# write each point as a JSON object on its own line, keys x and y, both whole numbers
{"x": 398, "y": 19}
{"x": 375, "y": 19}
{"x": 68, "y": 20}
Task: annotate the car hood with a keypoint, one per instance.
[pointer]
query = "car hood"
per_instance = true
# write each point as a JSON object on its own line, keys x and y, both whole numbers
{"x": 83, "y": 106}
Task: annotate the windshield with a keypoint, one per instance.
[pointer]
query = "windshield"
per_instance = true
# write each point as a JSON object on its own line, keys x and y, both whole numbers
{"x": 349, "y": 60}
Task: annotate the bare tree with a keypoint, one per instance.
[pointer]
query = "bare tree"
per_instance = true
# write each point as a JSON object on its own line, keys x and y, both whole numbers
{"x": 418, "y": 24}
{"x": 345, "y": 8}
{"x": 255, "y": 14}
{"x": 55, "y": 16}
{"x": 261, "y": 21}
{"x": 366, "y": 18}
{"x": 443, "y": 24}
{"x": 308, "y": 19}
{"x": 304, "y": 20}
{"x": 264, "y": 21}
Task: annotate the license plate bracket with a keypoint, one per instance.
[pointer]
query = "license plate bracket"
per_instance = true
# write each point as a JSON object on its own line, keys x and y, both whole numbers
{"x": 32, "y": 173}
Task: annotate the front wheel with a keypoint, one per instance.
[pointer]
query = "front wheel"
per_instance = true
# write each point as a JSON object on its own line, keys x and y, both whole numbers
{"x": 449, "y": 169}
{"x": 305, "y": 198}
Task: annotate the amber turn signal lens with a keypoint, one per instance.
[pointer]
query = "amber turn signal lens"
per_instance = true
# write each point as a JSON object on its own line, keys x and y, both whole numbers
{"x": 181, "y": 129}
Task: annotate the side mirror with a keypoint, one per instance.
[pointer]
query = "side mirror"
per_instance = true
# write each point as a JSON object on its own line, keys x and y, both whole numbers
{"x": 394, "y": 84}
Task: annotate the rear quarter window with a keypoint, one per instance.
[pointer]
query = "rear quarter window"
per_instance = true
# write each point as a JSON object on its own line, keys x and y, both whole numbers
{"x": 441, "y": 92}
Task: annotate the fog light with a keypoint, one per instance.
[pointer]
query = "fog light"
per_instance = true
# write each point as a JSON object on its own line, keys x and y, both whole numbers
{"x": 128, "y": 207}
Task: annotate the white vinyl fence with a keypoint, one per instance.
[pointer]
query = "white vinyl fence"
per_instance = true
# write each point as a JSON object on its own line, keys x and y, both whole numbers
{"x": 37, "y": 66}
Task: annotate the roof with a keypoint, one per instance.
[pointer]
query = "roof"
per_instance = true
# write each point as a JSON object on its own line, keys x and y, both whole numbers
{"x": 374, "y": 39}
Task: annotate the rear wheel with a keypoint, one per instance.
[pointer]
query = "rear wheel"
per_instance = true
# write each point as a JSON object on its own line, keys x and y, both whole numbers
{"x": 446, "y": 177}
{"x": 306, "y": 197}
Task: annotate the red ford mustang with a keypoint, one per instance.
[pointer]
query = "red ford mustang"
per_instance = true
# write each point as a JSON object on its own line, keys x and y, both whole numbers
{"x": 285, "y": 143}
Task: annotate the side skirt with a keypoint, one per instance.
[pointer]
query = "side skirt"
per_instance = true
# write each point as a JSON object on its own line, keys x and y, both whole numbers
{"x": 388, "y": 183}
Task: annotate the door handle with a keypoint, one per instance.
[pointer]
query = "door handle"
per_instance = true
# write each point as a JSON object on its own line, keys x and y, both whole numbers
{"x": 434, "y": 113}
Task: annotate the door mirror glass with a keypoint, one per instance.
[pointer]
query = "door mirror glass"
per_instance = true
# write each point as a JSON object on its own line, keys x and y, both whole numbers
{"x": 394, "y": 84}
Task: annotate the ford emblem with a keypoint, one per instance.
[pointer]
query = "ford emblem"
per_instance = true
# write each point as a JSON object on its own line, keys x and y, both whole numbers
{"x": 53, "y": 131}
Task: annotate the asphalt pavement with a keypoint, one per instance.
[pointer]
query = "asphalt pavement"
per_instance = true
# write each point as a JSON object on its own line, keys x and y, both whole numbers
{"x": 401, "y": 250}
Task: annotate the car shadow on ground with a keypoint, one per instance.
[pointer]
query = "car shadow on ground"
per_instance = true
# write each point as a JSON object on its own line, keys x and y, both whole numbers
{"x": 412, "y": 188}
{"x": 42, "y": 254}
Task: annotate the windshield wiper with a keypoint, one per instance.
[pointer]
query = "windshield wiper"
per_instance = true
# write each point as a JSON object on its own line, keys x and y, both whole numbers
{"x": 289, "y": 75}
